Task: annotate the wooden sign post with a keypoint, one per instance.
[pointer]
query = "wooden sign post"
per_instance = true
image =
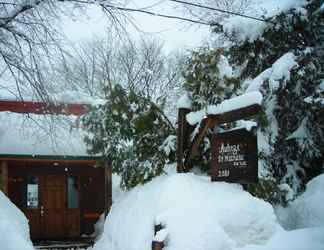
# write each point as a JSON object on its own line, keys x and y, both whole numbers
{"x": 226, "y": 166}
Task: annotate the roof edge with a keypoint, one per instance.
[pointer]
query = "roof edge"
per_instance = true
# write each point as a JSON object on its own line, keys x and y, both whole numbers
{"x": 49, "y": 157}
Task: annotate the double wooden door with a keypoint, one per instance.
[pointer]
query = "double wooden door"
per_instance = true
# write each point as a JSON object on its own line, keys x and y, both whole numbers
{"x": 53, "y": 208}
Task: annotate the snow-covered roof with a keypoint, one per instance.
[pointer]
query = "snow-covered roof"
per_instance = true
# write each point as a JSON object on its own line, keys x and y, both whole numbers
{"x": 41, "y": 135}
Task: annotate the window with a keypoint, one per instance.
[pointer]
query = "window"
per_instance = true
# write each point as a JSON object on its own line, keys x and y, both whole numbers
{"x": 73, "y": 192}
{"x": 32, "y": 192}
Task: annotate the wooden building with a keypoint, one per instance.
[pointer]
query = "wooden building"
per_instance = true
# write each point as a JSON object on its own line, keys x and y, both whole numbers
{"x": 46, "y": 171}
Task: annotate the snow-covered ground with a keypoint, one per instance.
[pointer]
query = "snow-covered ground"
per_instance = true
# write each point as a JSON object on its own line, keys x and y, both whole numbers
{"x": 196, "y": 214}
{"x": 199, "y": 214}
{"x": 14, "y": 230}
{"x": 307, "y": 210}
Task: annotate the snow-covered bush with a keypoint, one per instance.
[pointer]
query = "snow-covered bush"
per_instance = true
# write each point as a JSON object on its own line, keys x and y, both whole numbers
{"x": 14, "y": 229}
{"x": 197, "y": 214}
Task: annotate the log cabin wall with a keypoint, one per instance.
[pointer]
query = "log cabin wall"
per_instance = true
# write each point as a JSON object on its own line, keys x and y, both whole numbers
{"x": 4, "y": 177}
{"x": 93, "y": 185}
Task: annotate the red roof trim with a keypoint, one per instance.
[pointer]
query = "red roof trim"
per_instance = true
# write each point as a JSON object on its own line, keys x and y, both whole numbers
{"x": 44, "y": 108}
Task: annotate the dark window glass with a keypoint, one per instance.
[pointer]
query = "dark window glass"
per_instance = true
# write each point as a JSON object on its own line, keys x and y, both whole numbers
{"x": 32, "y": 192}
{"x": 73, "y": 192}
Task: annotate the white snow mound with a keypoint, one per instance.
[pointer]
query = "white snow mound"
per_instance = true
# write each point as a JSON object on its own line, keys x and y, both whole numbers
{"x": 301, "y": 239}
{"x": 14, "y": 229}
{"x": 197, "y": 214}
{"x": 308, "y": 209}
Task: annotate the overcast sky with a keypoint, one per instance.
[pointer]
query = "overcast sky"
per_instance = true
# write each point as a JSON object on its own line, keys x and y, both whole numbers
{"x": 175, "y": 34}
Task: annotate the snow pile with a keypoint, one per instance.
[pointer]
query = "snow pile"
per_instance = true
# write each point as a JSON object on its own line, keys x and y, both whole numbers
{"x": 41, "y": 135}
{"x": 302, "y": 239}
{"x": 184, "y": 102}
{"x": 14, "y": 229}
{"x": 195, "y": 117}
{"x": 308, "y": 209}
{"x": 196, "y": 214}
{"x": 238, "y": 102}
{"x": 117, "y": 192}
{"x": 251, "y": 29}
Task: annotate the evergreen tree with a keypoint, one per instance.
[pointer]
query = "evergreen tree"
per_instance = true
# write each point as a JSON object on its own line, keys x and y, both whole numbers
{"x": 132, "y": 133}
{"x": 208, "y": 80}
{"x": 297, "y": 98}
{"x": 292, "y": 122}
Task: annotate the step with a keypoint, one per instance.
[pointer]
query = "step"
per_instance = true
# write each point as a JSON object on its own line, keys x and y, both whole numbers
{"x": 61, "y": 245}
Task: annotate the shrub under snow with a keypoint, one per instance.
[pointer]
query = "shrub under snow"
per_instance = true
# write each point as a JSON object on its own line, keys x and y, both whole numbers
{"x": 14, "y": 229}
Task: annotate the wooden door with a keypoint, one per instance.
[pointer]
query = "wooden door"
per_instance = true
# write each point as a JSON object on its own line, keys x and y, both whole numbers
{"x": 53, "y": 206}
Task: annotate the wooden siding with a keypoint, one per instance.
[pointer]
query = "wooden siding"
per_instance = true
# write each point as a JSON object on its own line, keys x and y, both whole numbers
{"x": 4, "y": 177}
{"x": 94, "y": 185}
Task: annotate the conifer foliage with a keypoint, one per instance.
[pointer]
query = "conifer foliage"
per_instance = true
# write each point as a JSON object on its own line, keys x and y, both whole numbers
{"x": 209, "y": 78}
{"x": 132, "y": 133}
{"x": 286, "y": 64}
{"x": 295, "y": 99}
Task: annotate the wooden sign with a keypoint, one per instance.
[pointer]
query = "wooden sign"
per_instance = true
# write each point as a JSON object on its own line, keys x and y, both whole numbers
{"x": 234, "y": 157}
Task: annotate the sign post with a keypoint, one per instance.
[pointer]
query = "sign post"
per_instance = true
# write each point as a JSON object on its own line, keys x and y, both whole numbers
{"x": 234, "y": 153}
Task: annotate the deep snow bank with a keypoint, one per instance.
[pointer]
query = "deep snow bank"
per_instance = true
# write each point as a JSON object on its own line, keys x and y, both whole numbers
{"x": 198, "y": 214}
{"x": 302, "y": 239}
{"x": 14, "y": 229}
{"x": 308, "y": 209}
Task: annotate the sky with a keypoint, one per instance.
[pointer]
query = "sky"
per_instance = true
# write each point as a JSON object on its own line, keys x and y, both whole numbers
{"x": 174, "y": 34}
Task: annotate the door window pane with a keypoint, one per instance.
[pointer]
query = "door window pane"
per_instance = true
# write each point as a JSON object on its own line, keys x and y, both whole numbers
{"x": 32, "y": 192}
{"x": 73, "y": 192}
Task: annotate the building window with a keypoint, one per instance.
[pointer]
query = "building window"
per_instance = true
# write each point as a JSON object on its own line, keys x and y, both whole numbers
{"x": 32, "y": 192}
{"x": 73, "y": 192}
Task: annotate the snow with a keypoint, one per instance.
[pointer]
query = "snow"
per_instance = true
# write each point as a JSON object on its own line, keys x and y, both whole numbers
{"x": 14, "y": 229}
{"x": 117, "y": 192}
{"x": 195, "y": 117}
{"x": 196, "y": 214}
{"x": 184, "y": 102}
{"x": 41, "y": 135}
{"x": 250, "y": 29}
{"x": 161, "y": 235}
{"x": 280, "y": 70}
{"x": 308, "y": 209}
{"x": 301, "y": 132}
{"x": 76, "y": 96}
{"x": 225, "y": 70}
{"x": 247, "y": 125}
{"x": 99, "y": 227}
{"x": 238, "y": 102}
{"x": 242, "y": 101}
{"x": 169, "y": 145}
{"x": 302, "y": 239}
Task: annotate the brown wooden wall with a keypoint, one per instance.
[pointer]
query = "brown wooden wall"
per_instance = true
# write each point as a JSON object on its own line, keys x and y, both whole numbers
{"x": 94, "y": 185}
{"x": 4, "y": 176}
